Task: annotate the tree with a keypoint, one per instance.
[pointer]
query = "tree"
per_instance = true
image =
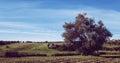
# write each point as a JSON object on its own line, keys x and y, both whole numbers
{"x": 84, "y": 35}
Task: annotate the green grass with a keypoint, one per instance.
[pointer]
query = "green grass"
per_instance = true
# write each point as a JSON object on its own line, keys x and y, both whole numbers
{"x": 31, "y": 48}
{"x": 14, "y": 46}
{"x": 39, "y": 48}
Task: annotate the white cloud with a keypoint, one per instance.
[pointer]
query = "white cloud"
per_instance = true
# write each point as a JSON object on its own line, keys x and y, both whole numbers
{"x": 40, "y": 32}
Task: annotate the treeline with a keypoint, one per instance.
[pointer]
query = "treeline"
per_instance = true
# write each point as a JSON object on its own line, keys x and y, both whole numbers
{"x": 8, "y": 42}
{"x": 111, "y": 42}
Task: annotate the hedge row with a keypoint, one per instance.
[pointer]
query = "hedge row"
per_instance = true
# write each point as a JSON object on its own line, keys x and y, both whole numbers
{"x": 65, "y": 54}
{"x": 17, "y": 54}
{"x": 8, "y": 42}
{"x": 111, "y": 49}
{"x": 116, "y": 42}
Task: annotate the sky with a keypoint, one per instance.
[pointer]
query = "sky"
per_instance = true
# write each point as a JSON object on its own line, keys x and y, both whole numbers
{"x": 42, "y": 20}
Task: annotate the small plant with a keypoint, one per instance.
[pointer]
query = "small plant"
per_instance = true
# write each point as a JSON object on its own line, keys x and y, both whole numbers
{"x": 7, "y": 46}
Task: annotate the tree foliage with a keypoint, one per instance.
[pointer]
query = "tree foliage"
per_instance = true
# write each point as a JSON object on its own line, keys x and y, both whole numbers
{"x": 84, "y": 35}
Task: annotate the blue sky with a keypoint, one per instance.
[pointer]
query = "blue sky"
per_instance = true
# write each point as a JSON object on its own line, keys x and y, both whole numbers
{"x": 41, "y": 20}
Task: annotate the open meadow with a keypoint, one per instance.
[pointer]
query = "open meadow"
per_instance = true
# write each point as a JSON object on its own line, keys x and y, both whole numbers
{"x": 39, "y": 53}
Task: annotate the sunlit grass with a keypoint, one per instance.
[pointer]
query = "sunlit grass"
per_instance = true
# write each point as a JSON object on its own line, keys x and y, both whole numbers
{"x": 41, "y": 48}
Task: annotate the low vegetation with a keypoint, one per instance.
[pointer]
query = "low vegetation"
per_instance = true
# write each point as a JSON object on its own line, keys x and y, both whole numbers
{"x": 39, "y": 52}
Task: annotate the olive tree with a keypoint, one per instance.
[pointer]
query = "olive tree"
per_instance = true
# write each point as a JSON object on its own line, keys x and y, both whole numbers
{"x": 84, "y": 35}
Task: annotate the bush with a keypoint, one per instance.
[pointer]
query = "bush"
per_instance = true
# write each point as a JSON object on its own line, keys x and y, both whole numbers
{"x": 7, "y": 46}
{"x": 63, "y": 47}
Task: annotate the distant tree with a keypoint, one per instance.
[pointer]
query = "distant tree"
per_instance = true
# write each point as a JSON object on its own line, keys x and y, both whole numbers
{"x": 84, "y": 35}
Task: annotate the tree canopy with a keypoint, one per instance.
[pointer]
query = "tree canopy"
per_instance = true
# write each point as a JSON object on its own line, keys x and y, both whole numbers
{"x": 85, "y": 35}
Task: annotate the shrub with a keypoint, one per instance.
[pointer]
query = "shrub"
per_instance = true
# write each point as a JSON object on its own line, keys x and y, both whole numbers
{"x": 7, "y": 46}
{"x": 64, "y": 47}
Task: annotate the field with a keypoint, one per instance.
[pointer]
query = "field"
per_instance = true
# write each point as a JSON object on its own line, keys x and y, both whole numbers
{"x": 33, "y": 54}
{"x": 61, "y": 59}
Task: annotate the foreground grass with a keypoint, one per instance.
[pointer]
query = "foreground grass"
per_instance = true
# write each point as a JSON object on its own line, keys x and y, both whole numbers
{"x": 60, "y": 59}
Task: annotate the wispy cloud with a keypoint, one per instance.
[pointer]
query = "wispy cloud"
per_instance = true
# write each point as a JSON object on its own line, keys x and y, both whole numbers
{"x": 33, "y": 32}
{"x": 31, "y": 35}
{"x": 41, "y": 23}
{"x": 18, "y": 4}
{"x": 16, "y": 24}
{"x": 58, "y": 17}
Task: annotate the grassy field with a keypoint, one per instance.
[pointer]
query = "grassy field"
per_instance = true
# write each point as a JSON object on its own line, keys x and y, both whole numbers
{"x": 30, "y": 48}
{"x": 60, "y": 59}
{"x": 41, "y": 48}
